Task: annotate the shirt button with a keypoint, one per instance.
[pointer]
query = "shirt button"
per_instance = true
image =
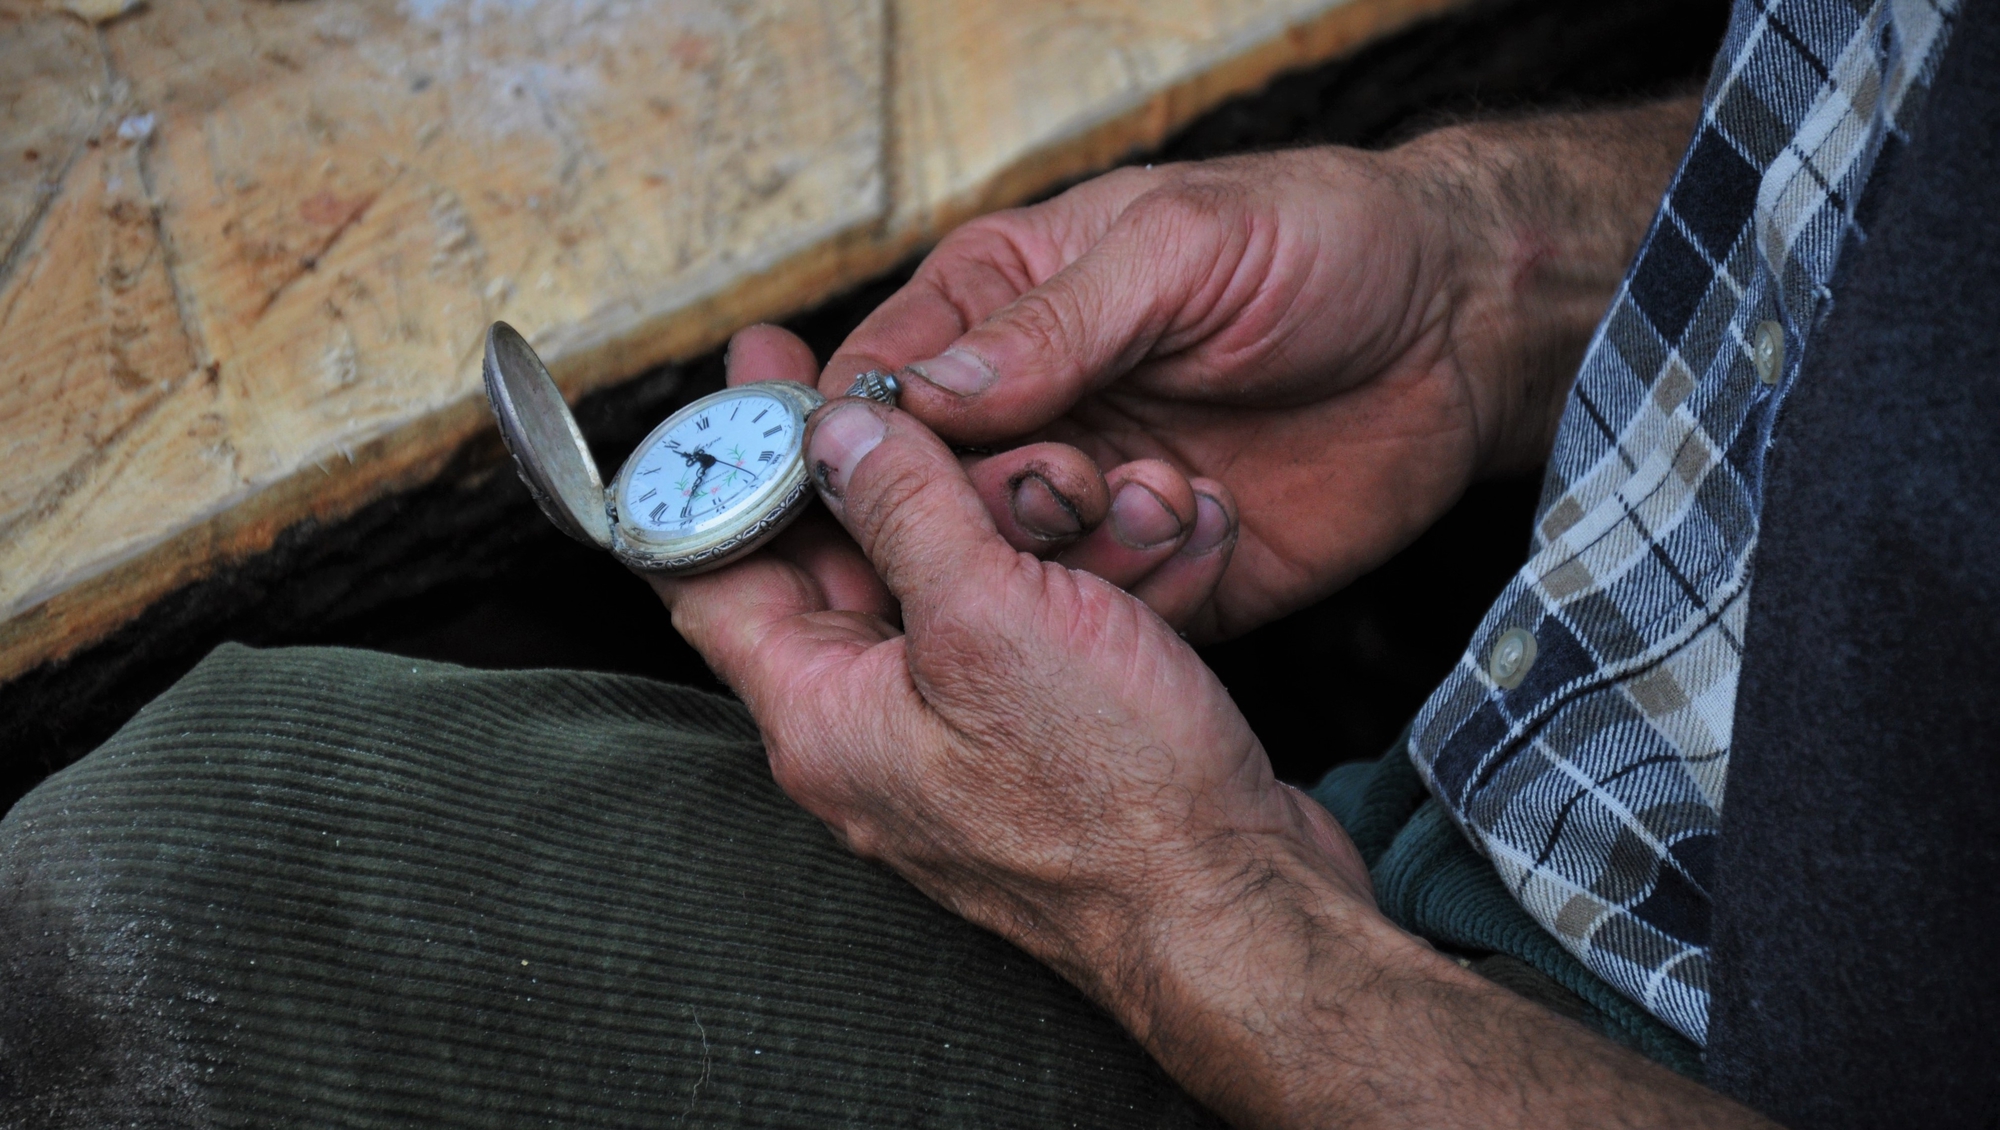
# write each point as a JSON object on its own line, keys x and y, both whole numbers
{"x": 1768, "y": 352}
{"x": 1513, "y": 654}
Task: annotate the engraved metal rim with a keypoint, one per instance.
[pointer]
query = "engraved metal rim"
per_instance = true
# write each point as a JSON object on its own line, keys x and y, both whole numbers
{"x": 761, "y": 515}
{"x": 716, "y": 556}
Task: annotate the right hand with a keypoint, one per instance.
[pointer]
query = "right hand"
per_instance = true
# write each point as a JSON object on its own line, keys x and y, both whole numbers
{"x": 1340, "y": 340}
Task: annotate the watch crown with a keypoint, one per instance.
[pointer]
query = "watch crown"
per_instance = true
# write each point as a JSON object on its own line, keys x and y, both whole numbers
{"x": 878, "y": 385}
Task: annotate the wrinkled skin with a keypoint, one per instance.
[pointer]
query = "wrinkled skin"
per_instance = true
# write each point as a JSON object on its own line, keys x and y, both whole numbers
{"x": 1291, "y": 352}
{"x": 1216, "y": 392}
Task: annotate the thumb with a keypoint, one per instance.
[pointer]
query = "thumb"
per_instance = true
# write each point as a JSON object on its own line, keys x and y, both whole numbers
{"x": 908, "y": 503}
{"x": 1032, "y": 359}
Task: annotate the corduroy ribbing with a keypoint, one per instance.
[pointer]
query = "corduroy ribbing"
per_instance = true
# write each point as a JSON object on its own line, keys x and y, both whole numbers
{"x": 331, "y": 888}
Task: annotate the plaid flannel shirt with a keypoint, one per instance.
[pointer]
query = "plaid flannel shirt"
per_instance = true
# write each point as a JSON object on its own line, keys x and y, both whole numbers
{"x": 1582, "y": 743}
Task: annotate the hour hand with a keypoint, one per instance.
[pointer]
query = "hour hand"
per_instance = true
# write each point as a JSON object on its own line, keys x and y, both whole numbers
{"x": 687, "y": 511}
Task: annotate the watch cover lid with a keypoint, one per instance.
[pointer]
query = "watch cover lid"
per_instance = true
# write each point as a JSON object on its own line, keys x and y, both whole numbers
{"x": 548, "y": 447}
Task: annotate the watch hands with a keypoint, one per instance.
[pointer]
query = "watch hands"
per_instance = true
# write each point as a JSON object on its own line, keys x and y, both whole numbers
{"x": 700, "y": 457}
{"x": 737, "y": 467}
{"x": 687, "y": 511}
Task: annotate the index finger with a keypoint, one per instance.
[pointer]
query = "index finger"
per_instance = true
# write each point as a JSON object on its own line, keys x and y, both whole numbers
{"x": 959, "y": 284}
{"x": 979, "y": 269}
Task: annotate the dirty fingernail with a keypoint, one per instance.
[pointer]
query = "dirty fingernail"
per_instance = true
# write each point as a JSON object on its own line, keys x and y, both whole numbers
{"x": 1041, "y": 511}
{"x": 1211, "y": 527}
{"x": 1140, "y": 519}
{"x": 841, "y": 439}
{"x": 957, "y": 371}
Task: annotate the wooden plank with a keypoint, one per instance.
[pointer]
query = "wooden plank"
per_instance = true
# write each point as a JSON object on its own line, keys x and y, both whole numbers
{"x": 346, "y": 192}
{"x": 247, "y": 277}
{"x": 993, "y": 102}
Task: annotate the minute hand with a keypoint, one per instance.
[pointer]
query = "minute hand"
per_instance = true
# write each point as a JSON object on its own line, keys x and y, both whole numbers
{"x": 737, "y": 467}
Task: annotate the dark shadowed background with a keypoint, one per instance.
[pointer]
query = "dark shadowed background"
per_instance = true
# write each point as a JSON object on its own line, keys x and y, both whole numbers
{"x": 466, "y": 570}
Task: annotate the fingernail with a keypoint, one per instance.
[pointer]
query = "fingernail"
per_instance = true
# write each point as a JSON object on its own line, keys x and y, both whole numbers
{"x": 956, "y": 371}
{"x": 1042, "y": 512}
{"x": 1140, "y": 519}
{"x": 841, "y": 439}
{"x": 1211, "y": 527}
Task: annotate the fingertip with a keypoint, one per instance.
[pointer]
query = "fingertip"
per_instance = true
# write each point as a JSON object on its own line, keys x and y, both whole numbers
{"x": 1041, "y": 512}
{"x": 1182, "y": 589}
{"x": 959, "y": 372}
{"x": 842, "y": 434}
{"x": 1152, "y": 504}
{"x": 1041, "y": 496}
{"x": 765, "y": 352}
{"x": 1214, "y": 520}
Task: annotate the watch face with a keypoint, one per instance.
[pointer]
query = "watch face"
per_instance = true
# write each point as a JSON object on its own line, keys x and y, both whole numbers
{"x": 693, "y": 474}
{"x": 714, "y": 469}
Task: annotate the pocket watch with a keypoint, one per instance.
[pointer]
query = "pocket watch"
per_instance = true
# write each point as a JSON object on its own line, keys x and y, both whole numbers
{"x": 711, "y": 483}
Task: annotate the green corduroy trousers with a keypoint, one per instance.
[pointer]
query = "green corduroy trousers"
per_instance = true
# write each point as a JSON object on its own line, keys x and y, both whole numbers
{"x": 318, "y": 887}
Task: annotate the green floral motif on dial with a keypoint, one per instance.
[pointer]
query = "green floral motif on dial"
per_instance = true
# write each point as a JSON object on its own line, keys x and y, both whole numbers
{"x": 716, "y": 458}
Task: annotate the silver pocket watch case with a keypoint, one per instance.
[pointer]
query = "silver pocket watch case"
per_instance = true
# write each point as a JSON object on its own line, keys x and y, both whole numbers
{"x": 556, "y": 464}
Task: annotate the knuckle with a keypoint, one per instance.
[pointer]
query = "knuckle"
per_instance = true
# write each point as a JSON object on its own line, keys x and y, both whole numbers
{"x": 1207, "y": 230}
{"x": 956, "y": 641}
{"x": 803, "y": 776}
{"x": 997, "y": 241}
{"x": 1130, "y": 178}
{"x": 1048, "y": 322}
{"x": 976, "y": 239}
{"x": 796, "y": 775}
{"x": 899, "y": 505}
{"x": 862, "y": 838}
{"x": 973, "y": 654}
{"x": 1188, "y": 204}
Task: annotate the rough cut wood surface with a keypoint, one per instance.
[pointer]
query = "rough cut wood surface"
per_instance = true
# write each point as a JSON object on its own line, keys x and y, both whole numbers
{"x": 247, "y": 248}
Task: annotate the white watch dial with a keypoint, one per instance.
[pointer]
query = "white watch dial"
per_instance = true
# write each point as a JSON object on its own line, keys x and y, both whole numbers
{"x": 693, "y": 474}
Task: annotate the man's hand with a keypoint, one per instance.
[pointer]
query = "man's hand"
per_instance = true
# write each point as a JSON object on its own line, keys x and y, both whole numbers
{"x": 1034, "y": 747}
{"x": 1337, "y": 342}
{"x": 1334, "y": 342}
{"x": 1038, "y": 751}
